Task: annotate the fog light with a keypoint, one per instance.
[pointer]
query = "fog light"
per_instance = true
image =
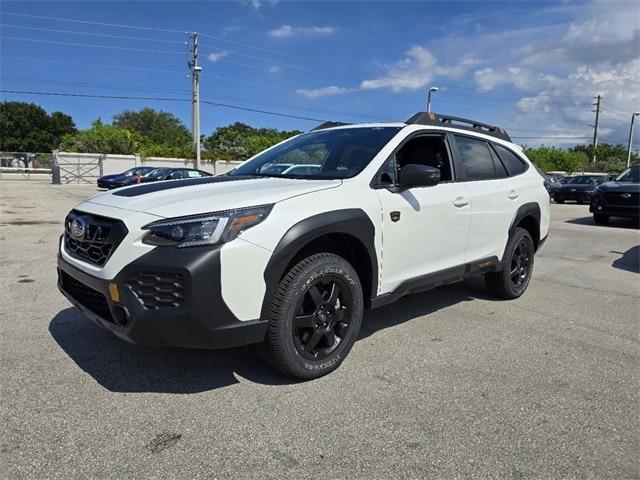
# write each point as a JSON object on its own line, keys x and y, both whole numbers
{"x": 114, "y": 292}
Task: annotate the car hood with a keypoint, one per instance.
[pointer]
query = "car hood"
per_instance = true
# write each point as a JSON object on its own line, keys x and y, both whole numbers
{"x": 619, "y": 187}
{"x": 175, "y": 198}
{"x": 110, "y": 177}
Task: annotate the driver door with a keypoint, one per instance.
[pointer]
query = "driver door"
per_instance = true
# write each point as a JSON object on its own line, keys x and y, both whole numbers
{"x": 424, "y": 229}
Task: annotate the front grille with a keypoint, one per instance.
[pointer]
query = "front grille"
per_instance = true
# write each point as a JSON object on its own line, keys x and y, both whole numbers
{"x": 158, "y": 290}
{"x": 98, "y": 238}
{"x": 86, "y": 296}
{"x": 625, "y": 199}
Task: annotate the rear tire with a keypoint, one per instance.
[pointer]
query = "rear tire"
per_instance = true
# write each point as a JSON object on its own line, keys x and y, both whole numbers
{"x": 315, "y": 317}
{"x": 517, "y": 267}
{"x": 600, "y": 219}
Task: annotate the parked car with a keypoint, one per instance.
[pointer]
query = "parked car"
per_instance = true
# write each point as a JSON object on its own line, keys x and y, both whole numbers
{"x": 619, "y": 198}
{"x": 579, "y": 188}
{"x": 107, "y": 181}
{"x": 291, "y": 263}
{"x": 162, "y": 174}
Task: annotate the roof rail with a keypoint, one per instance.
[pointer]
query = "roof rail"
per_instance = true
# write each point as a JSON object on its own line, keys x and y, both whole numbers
{"x": 324, "y": 125}
{"x": 430, "y": 118}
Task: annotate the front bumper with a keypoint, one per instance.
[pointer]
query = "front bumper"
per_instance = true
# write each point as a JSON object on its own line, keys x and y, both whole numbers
{"x": 600, "y": 206}
{"x": 197, "y": 317}
{"x": 576, "y": 196}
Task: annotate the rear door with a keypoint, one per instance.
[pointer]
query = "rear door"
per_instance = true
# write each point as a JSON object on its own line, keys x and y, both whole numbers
{"x": 494, "y": 197}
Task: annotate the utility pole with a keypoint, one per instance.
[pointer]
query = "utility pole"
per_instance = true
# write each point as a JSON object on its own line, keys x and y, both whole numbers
{"x": 196, "y": 69}
{"x": 595, "y": 128}
{"x": 633, "y": 116}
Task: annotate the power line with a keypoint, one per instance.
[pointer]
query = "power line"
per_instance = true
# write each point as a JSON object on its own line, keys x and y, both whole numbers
{"x": 253, "y": 57}
{"x": 90, "y": 45}
{"x": 134, "y": 49}
{"x": 216, "y": 104}
{"x": 153, "y": 29}
{"x": 93, "y": 65}
{"x": 213, "y": 95}
{"x": 94, "y": 34}
{"x": 163, "y": 99}
{"x": 88, "y": 22}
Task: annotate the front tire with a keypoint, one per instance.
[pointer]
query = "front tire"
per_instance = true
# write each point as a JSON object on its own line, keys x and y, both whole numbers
{"x": 315, "y": 317}
{"x": 600, "y": 219}
{"x": 517, "y": 267}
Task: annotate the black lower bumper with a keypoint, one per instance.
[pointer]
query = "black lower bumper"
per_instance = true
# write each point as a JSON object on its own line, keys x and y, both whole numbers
{"x": 584, "y": 197}
{"x": 196, "y": 316}
{"x": 601, "y": 207}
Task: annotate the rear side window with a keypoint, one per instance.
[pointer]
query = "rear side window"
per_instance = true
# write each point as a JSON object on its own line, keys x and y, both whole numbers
{"x": 514, "y": 164}
{"x": 478, "y": 160}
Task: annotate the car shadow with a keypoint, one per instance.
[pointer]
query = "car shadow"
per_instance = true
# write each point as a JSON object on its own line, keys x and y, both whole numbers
{"x": 629, "y": 261}
{"x": 122, "y": 367}
{"x": 614, "y": 222}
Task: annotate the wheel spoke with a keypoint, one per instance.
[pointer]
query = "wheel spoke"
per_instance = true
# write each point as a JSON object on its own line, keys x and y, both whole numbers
{"x": 331, "y": 338}
{"x": 313, "y": 340}
{"x": 333, "y": 295}
{"x": 316, "y": 296}
{"x": 341, "y": 314}
{"x": 304, "y": 321}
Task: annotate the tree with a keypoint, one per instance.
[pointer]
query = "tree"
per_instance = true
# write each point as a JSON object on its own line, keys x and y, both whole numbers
{"x": 26, "y": 127}
{"x": 101, "y": 138}
{"x": 240, "y": 141}
{"x": 155, "y": 127}
{"x": 610, "y": 158}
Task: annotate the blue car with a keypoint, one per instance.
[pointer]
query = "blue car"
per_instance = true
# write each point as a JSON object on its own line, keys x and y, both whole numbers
{"x": 110, "y": 181}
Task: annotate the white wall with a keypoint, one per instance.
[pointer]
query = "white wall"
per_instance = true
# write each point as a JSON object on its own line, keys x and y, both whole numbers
{"x": 112, "y": 164}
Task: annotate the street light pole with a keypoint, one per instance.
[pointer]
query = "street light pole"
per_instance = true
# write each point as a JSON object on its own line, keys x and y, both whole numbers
{"x": 431, "y": 90}
{"x": 633, "y": 116}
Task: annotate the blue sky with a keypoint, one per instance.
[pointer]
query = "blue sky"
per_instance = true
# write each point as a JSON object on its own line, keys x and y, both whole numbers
{"x": 531, "y": 67}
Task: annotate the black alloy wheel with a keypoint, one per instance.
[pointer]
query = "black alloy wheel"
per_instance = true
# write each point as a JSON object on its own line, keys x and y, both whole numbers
{"x": 513, "y": 278}
{"x": 521, "y": 263}
{"x": 323, "y": 318}
{"x": 314, "y": 317}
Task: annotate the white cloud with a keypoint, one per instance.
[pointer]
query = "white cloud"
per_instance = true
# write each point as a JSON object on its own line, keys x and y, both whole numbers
{"x": 217, "y": 56}
{"x": 275, "y": 69}
{"x": 323, "y": 92}
{"x": 289, "y": 31}
{"x": 416, "y": 70}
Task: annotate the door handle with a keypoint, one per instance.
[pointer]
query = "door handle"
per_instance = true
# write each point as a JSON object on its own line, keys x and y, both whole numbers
{"x": 461, "y": 202}
{"x": 513, "y": 195}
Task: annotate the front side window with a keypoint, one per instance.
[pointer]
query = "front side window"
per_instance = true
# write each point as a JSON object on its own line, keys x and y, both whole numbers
{"x": 478, "y": 160}
{"x": 324, "y": 154}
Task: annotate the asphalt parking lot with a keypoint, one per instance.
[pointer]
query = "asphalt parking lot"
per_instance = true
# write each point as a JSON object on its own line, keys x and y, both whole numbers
{"x": 451, "y": 383}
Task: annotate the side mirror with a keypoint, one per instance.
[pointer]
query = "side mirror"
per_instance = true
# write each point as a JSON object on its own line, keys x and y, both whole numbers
{"x": 416, "y": 175}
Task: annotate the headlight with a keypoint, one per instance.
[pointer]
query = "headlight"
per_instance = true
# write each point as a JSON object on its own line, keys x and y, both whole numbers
{"x": 206, "y": 229}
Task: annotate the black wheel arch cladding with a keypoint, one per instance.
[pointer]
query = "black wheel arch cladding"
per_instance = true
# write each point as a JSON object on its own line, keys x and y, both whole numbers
{"x": 353, "y": 222}
{"x": 528, "y": 217}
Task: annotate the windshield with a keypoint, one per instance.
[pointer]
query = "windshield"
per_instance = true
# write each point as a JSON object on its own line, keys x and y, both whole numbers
{"x": 586, "y": 179}
{"x": 630, "y": 175}
{"x": 158, "y": 172}
{"x": 325, "y": 154}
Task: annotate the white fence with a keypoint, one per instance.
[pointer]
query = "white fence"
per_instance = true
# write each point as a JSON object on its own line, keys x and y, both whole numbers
{"x": 86, "y": 167}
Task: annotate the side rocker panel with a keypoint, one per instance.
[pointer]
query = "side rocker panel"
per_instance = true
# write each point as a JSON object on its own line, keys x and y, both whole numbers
{"x": 354, "y": 222}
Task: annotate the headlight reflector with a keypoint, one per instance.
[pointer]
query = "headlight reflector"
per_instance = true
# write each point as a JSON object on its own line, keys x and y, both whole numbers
{"x": 205, "y": 229}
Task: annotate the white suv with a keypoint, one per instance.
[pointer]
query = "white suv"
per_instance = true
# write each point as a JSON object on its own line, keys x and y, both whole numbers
{"x": 291, "y": 260}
